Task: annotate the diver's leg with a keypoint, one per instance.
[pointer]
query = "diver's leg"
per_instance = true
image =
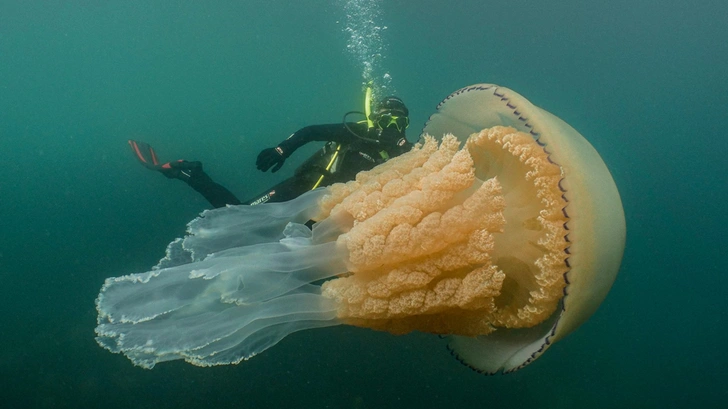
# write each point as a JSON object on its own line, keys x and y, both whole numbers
{"x": 287, "y": 190}
{"x": 188, "y": 172}
{"x": 192, "y": 174}
{"x": 215, "y": 193}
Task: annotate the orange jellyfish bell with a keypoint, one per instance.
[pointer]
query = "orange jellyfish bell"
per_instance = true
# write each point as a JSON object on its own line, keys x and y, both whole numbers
{"x": 503, "y": 230}
{"x": 595, "y": 226}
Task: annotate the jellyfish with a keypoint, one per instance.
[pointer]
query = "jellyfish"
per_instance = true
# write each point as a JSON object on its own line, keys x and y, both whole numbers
{"x": 502, "y": 231}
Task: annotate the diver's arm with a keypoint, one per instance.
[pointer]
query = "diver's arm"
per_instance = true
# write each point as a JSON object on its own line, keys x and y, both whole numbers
{"x": 321, "y": 133}
{"x": 274, "y": 157}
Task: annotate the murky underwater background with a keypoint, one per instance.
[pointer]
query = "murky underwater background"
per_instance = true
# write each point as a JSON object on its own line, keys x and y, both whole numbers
{"x": 644, "y": 81}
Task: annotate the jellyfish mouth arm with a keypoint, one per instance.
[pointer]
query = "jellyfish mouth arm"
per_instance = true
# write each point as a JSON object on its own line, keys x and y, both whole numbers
{"x": 228, "y": 306}
{"x": 239, "y": 226}
{"x": 217, "y": 335}
{"x": 257, "y": 274}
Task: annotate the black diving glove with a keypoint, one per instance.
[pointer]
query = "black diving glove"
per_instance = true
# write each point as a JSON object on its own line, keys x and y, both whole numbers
{"x": 269, "y": 157}
{"x": 182, "y": 169}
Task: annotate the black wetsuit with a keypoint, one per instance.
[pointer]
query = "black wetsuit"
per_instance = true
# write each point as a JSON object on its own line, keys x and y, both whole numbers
{"x": 339, "y": 160}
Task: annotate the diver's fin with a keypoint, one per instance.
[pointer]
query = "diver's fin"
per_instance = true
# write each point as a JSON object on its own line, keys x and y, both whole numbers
{"x": 145, "y": 154}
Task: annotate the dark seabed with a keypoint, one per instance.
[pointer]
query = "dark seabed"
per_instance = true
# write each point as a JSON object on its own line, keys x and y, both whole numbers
{"x": 644, "y": 81}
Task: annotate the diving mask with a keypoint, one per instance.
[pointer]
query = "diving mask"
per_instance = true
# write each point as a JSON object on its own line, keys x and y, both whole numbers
{"x": 385, "y": 120}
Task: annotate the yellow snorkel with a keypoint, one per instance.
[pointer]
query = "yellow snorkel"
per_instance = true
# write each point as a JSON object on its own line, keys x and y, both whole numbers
{"x": 367, "y": 112}
{"x": 337, "y": 150}
{"x": 368, "y": 105}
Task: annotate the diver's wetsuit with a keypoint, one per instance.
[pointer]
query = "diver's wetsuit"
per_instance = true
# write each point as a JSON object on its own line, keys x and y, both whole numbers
{"x": 339, "y": 160}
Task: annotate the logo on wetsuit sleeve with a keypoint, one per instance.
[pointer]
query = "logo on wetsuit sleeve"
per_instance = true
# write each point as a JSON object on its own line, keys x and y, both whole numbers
{"x": 367, "y": 157}
{"x": 263, "y": 198}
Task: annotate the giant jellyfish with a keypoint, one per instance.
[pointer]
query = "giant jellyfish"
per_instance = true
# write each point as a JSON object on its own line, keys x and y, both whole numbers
{"x": 502, "y": 230}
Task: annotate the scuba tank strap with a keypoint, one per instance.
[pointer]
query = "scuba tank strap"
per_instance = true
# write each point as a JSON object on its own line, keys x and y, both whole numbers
{"x": 332, "y": 164}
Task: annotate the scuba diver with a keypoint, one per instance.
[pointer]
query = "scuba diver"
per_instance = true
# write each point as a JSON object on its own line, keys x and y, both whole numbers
{"x": 351, "y": 147}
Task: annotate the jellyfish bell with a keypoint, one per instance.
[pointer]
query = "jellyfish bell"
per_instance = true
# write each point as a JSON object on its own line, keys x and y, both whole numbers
{"x": 595, "y": 228}
{"x": 504, "y": 233}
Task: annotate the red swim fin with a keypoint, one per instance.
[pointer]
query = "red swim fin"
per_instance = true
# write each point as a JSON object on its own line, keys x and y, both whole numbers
{"x": 145, "y": 154}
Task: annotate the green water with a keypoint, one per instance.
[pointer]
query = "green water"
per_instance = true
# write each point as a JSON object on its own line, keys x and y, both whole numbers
{"x": 644, "y": 81}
